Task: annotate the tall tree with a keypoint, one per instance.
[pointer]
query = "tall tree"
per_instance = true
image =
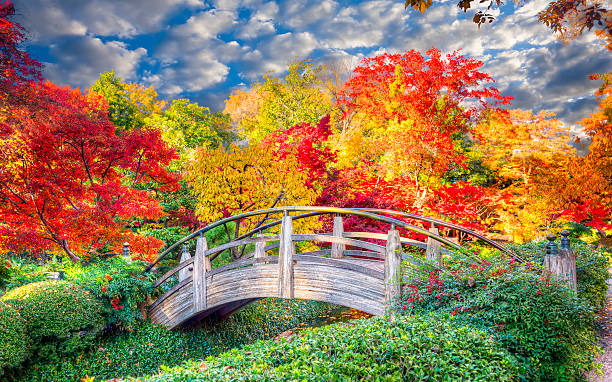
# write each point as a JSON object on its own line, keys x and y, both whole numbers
{"x": 530, "y": 155}
{"x": 279, "y": 104}
{"x": 240, "y": 179}
{"x": 128, "y": 103}
{"x": 68, "y": 181}
{"x": 417, "y": 106}
{"x": 187, "y": 126}
{"x": 588, "y": 194}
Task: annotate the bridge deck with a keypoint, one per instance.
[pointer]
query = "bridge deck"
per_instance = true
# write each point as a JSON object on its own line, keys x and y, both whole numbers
{"x": 356, "y": 283}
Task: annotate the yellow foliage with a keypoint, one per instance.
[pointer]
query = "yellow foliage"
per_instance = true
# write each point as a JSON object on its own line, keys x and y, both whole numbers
{"x": 240, "y": 179}
{"x": 531, "y": 155}
{"x": 145, "y": 98}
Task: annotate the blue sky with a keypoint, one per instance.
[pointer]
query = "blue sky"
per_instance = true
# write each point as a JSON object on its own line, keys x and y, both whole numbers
{"x": 203, "y": 50}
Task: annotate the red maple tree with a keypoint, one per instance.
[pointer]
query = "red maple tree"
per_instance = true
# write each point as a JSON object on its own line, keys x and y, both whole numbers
{"x": 68, "y": 180}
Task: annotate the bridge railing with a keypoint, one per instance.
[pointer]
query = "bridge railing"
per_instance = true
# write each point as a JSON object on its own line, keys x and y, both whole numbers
{"x": 375, "y": 214}
{"x": 197, "y": 268}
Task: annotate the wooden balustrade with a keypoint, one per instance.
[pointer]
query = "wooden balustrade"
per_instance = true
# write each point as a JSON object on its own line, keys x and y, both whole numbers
{"x": 366, "y": 277}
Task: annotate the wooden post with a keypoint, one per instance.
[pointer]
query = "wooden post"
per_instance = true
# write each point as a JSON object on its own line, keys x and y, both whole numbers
{"x": 393, "y": 262}
{"x": 337, "y": 249}
{"x": 285, "y": 259}
{"x": 260, "y": 248}
{"x": 200, "y": 267}
{"x": 433, "y": 248}
{"x": 561, "y": 263}
{"x": 185, "y": 272}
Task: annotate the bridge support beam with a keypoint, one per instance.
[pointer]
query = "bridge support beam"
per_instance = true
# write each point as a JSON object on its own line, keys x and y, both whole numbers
{"x": 337, "y": 249}
{"x": 433, "y": 248}
{"x": 201, "y": 265}
{"x": 393, "y": 263}
{"x": 285, "y": 259}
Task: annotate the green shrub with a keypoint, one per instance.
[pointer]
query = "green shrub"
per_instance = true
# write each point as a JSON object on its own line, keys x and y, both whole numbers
{"x": 406, "y": 348}
{"x": 120, "y": 286}
{"x": 591, "y": 267}
{"x": 147, "y": 346}
{"x": 61, "y": 317}
{"x": 14, "y": 340}
{"x": 539, "y": 321}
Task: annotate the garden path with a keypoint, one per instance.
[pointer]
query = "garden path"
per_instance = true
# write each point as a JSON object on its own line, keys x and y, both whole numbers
{"x": 605, "y": 341}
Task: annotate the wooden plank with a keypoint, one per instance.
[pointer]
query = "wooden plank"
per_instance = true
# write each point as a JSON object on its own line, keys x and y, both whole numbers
{"x": 320, "y": 252}
{"x": 171, "y": 272}
{"x": 432, "y": 252}
{"x": 285, "y": 259}
{"x": 272, "y": 246}
{"x": 199, "y": 275}
{"x": 340, "y": 240}
{"x": 393, "y": 262}
{"x": 232, "y": 265}
{"x": 184, "y": 273}
{"x": 367, "y": 254}
{"x": 170, "y": 292}
{"x": 337, "y": 249}
{"x": 340, "y": 264}
{"x": 176, "y": 309}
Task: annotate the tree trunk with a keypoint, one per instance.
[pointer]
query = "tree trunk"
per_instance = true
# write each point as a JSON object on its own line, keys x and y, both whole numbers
{"x": 70, "y": 254}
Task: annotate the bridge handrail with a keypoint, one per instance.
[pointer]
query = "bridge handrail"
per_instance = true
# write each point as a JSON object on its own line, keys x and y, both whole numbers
{"x": 319, "y": 210}
{"x": 447, "y": 225}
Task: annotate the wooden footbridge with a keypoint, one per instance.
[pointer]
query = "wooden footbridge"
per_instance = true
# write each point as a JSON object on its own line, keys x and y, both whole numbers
{"x": 365, "y": 277}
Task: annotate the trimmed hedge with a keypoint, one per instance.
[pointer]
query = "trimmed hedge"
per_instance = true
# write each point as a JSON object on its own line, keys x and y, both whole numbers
{"x": 406, "y": 348}
{"x": 61, "y": 317}
{"x": 147, "y": 346}
{"x": 14, "y": 340}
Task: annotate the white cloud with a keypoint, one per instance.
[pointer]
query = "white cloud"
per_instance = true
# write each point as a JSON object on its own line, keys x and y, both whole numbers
{"x": 250, "y": 37}
{"x": 301, "y": 13}
{"x": 192, "y": 74}
{"x": 261, "y": 22}
{"x": 79, "y": 60}
{"x": 49, "y": 19}
{"x": 276, "y": 53}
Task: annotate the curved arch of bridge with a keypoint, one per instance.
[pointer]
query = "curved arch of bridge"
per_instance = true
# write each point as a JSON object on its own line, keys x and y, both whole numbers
{"x": 364, "y": 277}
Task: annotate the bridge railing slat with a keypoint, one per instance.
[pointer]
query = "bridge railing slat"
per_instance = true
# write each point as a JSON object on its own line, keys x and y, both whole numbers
{"x": 172, "y": 272}
{"x": 286, "y": 253}
{"x": 337, "y": 249}
{"x": 201, "y": 265}
{"x": 432, "y": 251}
{"x": 393, "y": 262}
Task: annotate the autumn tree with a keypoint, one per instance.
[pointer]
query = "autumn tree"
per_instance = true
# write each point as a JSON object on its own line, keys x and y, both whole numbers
{"x": 68, "y": 181}
{"x": 588, "y": 194}
{"x": 187, "y": 126}
{"x": 278, "y": 104}
{"x": 530, "y": 154}
{"x": 241, "y": 179}
{"x": 306, "y": 143}
{"x": 128, "y": 103}
{"x": 418, "y": 107}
